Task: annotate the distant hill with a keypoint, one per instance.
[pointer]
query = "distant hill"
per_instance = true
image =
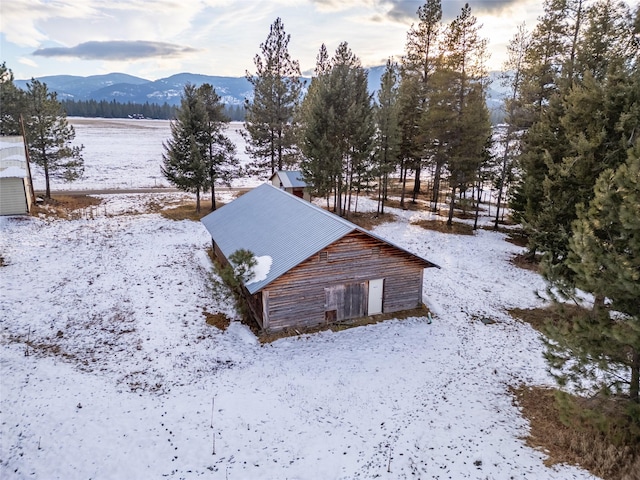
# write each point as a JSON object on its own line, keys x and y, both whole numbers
{"x": 125, "y": 88}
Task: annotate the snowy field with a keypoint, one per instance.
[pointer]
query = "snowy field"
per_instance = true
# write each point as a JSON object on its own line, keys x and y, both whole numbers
{"x": 111, "y": 161}
{"x": 127, "y": 381}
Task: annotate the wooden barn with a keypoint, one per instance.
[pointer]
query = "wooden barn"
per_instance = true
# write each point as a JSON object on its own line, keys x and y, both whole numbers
{"x": 292, "y": 182}
{"x": 16, "y": 190}
{"x": 313, "y": 266}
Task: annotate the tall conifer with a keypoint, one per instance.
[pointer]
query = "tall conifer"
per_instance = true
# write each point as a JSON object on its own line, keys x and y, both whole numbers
{"x": 276, "y": 94}
{"x": 49, "y": 136}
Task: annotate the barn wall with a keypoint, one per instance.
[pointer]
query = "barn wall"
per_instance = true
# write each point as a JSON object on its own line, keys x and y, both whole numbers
{"x": 298, "y": 297}
{"x": 13, "y": 196}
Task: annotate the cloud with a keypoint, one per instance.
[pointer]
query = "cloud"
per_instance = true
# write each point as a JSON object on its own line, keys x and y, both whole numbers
{"x": 117, "y": 50}
{"x": 406, "y": 10}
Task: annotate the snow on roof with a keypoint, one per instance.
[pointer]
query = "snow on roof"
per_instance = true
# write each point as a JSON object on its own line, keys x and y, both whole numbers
{"x": 12, "y": 156}
{"x": 261, "y": 269}
{"x": 271, "y": 222}
{"x": 11, "y": 141}
{"x": 13, "y": 172}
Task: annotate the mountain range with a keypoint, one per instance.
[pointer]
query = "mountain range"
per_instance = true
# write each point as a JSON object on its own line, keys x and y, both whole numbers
{"x": 233, "y": 90}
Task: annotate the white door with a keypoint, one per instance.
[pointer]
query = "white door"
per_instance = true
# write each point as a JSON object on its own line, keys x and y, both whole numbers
{"x": 376, "y": 288}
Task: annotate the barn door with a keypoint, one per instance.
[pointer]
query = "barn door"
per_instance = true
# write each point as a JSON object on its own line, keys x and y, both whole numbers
{"x": 345, "y": 301}
{"x": 334, "y": 302}
{"x": 376, "y": 288}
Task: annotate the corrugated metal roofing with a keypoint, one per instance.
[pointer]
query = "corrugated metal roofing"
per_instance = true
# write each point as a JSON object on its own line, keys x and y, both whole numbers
{"x": 12, "y": 153}
{"x": 271, "y": 222}
{"x": 291, "y": 179}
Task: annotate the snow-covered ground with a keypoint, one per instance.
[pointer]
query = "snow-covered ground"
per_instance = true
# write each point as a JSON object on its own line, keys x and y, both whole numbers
{"x": 126, "y": 380}
{"x": 124, "y": 153}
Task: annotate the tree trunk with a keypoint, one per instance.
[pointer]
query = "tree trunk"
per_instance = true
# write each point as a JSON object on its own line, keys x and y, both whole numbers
{"x": 598, "y": 306}
{"x": 503, "y": 177}
{"x": 403, "y": 174}
{"x": 197, "y": 200}
{"x": 479, "y": 190}
{"x": 436, "y": 186}
{"x": 451, "y": 206}
{"x": 47, "y": 193}
{"x": 634, "y": 388}
{"x": 379, "y": 208}
{"x": 213, "y": 196}
{"x": 416, "y": 183}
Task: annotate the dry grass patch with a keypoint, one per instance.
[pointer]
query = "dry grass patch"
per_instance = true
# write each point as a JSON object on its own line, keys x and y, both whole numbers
{"x": 218, "y": 319}
{"x": 368, "y": 220}
{"x": 440, "y": 226}
{"x": 408, "y": 204}
{"x": 68, "y": 207}
{"x": 554, "y": 314}
{"x": 585, "y": 446}
{"x": 523, "y": 260}
{"x": 187, "y": 211}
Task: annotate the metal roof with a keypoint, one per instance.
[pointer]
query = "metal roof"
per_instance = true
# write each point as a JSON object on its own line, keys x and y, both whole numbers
{"x": 271, "y": 222}
{"x": 290, "y": 179}
{"x": 12, "y": 155}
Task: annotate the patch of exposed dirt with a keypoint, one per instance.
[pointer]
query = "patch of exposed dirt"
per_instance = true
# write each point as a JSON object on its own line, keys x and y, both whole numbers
{"x": 68, "y": 207}
{"x": 440, "y": 226}
{"x": 218, "y": 319}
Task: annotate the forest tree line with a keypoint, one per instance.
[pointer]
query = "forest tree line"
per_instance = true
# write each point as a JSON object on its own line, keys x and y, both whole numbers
{"x": 115, "y": 109}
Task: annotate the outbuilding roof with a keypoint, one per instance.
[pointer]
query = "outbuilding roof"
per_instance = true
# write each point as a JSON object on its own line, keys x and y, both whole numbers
{"x": 13, "y": 160}
{"x": 273, "y": 223}
{"x": 290, "y": 179}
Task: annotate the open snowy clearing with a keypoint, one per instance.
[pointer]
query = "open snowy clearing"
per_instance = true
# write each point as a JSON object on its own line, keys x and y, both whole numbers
{"x": 126, "y": 380}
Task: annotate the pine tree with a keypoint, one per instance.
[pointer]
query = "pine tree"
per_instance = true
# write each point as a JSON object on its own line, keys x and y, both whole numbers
{"x": 222, "y": 163}
{"x": 387, "y": 149}
{"x": 49, "y": 136}
{"x": 511, "y": 77}
{"x": 337, "y": 133}
{"x": 185, "y": 153}
{"x": 409, "y": 119}
{"x": 603, "y": 348}
{"x": 321, "y": 162}
{"x": 276, "y": 94}
{"x": 12, "y": 103}
{"x": 420, "y": 62}
{"x": 464, "y": 60}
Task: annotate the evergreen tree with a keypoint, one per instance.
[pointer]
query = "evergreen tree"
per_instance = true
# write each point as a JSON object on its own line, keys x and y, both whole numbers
{"x": 603, "y": 348}
{"x": 276, "y": 94}
{"x": 338, "y": 130}
{"x": 607, "y": 38}
{"x": 221, "y": 161}
{"x": 12, "y": 103}
{"x": 420, "y": 62}
{"x": 49, "y": 136}
{"x": 409, "y": 119}
{"x": 509, "y": 137}
{"x": 321, "y": 162}
{"x": 388, "y": 131}
{"x": 471, "y": 128}
{"x": 185, "y": 153}
{"x": 585, "y": 129}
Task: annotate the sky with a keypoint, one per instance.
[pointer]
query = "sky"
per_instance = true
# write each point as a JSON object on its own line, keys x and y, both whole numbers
{"x": 156, "y": 39}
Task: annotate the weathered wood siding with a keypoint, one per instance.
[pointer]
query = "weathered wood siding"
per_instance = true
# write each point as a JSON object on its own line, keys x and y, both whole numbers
{"x": 299, "y": 297}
